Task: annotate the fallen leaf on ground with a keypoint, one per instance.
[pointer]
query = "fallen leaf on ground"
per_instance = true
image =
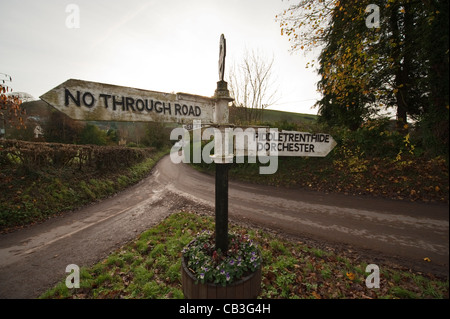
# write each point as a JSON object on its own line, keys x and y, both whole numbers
{"x": 316, "y": 295}
{"x": 350, "y": 276}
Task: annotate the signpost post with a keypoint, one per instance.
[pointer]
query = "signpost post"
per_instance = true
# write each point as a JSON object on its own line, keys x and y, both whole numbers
{"x": 221, "y": 157}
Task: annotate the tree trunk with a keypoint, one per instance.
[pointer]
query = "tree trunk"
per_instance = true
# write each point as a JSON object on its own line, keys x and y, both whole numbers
{"x": 400, "y": 70}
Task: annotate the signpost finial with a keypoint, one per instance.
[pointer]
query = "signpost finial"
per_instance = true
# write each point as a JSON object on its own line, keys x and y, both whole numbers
{"x": 222, "y": 54}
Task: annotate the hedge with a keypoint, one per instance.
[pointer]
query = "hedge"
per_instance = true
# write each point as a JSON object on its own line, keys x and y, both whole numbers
{"x": 40, "y": 155}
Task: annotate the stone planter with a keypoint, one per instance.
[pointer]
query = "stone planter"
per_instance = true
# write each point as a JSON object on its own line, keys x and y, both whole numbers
{"x": 248, "y": 287}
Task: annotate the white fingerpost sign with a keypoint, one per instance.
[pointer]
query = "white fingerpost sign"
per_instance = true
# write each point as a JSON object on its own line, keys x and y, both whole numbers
{"x": 92, "y": 101}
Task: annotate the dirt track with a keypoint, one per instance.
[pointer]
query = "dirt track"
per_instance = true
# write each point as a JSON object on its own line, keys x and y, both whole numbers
{"x": 35, "y": 258}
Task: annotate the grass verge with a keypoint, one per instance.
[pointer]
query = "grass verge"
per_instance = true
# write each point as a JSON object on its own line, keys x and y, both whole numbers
{"x": 33, "y": 196}
{"x": 149, "y": 267}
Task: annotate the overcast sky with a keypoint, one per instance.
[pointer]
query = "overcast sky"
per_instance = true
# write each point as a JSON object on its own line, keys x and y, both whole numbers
{"x": 168, "y": 46}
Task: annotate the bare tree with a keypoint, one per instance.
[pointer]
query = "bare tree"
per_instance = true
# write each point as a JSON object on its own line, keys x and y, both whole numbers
{"x": 251, "y": 84}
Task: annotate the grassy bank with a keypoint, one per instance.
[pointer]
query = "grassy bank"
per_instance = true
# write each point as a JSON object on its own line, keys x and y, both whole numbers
{"x": 149, "y": 267}
{"x": 29, "y": 196}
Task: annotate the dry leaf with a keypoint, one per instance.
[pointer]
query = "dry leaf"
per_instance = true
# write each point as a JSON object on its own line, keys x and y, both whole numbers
{"x": 316, "y": 295}
{"x": 351, "y": 276}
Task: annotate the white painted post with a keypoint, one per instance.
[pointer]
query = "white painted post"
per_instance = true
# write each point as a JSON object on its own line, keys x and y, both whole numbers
{"x": 221, "y": 138}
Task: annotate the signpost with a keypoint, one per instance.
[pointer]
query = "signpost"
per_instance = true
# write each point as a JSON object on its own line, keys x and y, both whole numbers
{"x": 92, "y": 101}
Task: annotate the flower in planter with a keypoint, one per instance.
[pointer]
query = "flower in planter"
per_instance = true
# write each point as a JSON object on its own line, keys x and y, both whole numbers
{"x": 211, "y": 266}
